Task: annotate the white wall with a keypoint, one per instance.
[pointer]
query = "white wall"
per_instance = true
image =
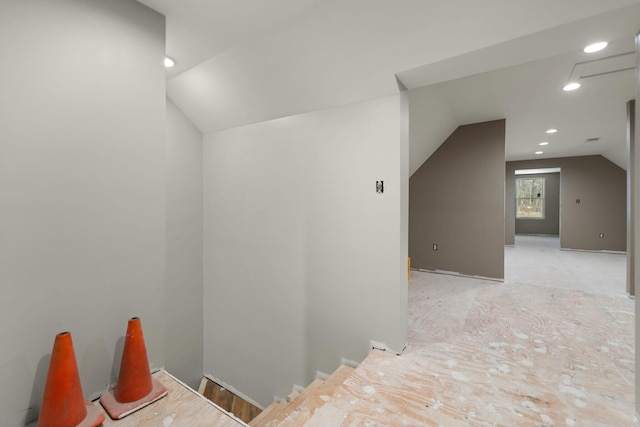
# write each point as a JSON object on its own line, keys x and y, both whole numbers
{"x": 304, "y": 263}
{"x": 356, "y": 260}
{"x": 432, "y": 121}
{"x": 82, "y": 203}
{"x": 184, "y": 292}
{"x": 634, "y": 165}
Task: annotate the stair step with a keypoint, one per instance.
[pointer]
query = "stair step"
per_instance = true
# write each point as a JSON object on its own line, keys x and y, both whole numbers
{"x": 272, "y": 411}
{"x": 339, "y": 375}
{"x": 301, "y": 414}
{"x": 277, "y": 416}
{"x": 265, "y": 415}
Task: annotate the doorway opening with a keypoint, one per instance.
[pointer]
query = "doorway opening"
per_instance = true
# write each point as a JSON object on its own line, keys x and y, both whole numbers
{"x": 537, "y": 200}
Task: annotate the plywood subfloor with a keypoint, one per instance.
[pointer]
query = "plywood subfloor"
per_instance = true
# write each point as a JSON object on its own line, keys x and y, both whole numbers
{"x": 549, "y": 347}
{"x": 484, "y": 353}
{"x": 181, "y": 407}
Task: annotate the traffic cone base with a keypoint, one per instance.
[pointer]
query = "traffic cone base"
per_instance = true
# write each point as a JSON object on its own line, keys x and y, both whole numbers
{"x": 94, "y": 417}
{"x": 118, "y": 410}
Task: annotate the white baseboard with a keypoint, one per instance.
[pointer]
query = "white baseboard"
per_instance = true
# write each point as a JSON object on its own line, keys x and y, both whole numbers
{"x": 377, "y": 345}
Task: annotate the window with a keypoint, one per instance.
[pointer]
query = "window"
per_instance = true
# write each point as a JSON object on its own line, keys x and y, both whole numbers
{"x": 530, "y": 198}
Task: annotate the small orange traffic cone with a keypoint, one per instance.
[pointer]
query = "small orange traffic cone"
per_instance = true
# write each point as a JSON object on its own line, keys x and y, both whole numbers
{"x": 63, "y": 403}
{"x": 135, "y": 388}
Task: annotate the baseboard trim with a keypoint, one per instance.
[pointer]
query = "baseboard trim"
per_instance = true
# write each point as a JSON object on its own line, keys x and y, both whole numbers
{"x": 456, "y": 274}
{"x": 595, "y": 251}
{"x": 377, "y": 345}
{"x": 297, "y": 388}
{"x": 322, "y": 375}
{"x": 348, "y": 362}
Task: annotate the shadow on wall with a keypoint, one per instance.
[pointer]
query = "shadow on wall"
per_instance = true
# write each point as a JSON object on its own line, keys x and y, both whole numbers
{"x": 38, "y": 389}
{"x": 117, "y": 358}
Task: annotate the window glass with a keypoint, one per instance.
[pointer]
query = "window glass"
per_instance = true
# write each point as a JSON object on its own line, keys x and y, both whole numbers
{"x": 530, "y": 198}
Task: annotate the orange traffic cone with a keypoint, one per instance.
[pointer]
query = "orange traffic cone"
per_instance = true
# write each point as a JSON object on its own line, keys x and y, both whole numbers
{"x": 63, "y": 403}
{"x": 135, "y": 388}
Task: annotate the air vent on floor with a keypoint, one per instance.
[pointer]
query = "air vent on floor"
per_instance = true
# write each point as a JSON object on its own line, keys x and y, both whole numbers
{"x": 588, "y": 140}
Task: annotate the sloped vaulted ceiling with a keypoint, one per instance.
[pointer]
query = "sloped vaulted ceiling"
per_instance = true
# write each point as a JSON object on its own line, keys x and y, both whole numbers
{"x": 522, "y": 82}
{"x": 318, "y": 54}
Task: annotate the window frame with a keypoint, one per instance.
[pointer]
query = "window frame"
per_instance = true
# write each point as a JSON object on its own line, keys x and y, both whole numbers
{"x": 542, "y": 198}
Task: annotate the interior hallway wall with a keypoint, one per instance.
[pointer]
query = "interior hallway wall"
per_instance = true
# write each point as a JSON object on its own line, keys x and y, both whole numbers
{"x": 301, "y": 255}
{"x": 431, "y": 119}
{"x": 184, "y": 292}
{"x": 550, "y": 224}
{"x": 631, "y": 152}
{"x": 457, "y": 203}
{"x": 634, "y": 164}
{"x": 598, "y": 184}
{"x": 82, "y": 189}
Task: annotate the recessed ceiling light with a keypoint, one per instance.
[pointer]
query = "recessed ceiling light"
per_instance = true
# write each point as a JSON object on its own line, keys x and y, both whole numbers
{"x": 571, "y": 86}
{"x": 595, "y": 47}
{"x": 552, "y": 131}
{"x": 544, "y": 143}
{"x": 169, "y": 62}
{"x": 539, "y": 152}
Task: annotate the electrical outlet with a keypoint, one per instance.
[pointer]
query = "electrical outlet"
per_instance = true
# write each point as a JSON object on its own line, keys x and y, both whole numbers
{"x": 435, "y": 246}
{"x": 379, "y": 187}
{"x": 602, "y": 235}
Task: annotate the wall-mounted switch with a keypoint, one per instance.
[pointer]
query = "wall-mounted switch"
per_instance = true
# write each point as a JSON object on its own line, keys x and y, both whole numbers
{"x": 379, "y": 187}
{"x": 435, "y": 246}
{"x": 602, "y": 235}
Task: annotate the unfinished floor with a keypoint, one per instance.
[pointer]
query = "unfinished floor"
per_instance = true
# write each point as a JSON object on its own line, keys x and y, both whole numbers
{"x": 551, "y": 346}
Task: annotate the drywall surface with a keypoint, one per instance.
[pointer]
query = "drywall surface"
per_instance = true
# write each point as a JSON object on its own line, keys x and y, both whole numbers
{"x": 301, "y": 255}
{"x": 431, "y": 119}
{"x": 634, "y": 163}
{"x": 357, "y": 248}
{"x": 340, "y": 52}
{"x": 456, "y": 201}
{"x": 255, "y": 259}
{"x": 551, "y": 223}
{"x": 600, "y": 187}
{"x": 82, "y": 202}
{"x": 183, "y": 291}
{"x": 631, "y": 173}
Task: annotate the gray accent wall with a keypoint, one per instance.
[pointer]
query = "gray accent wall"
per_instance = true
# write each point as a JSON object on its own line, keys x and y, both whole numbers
{"x": 304, "y": 262}
{"x": 598, "y": 184}
{"x": 456, "y": 201}
{"x": 550, "y": 225}
{"x": 82, "y": 190}
{"x": 184, "y": 306}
